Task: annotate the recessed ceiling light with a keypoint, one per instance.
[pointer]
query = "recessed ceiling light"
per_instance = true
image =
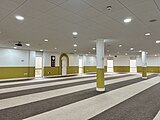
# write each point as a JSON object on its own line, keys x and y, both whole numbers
{"x": 27, "y": 44}
{"x": 147, "y": 34}
{"x": 41, "y": 50}
{"x": 18, "y": 17}
{"x": 140, "y": 50}
{"x": 75, "y": 33}
{"x": 55, "y": 48}
{"x": 127, "y": 20}
{"x": 46, "y": 40}
{"x": 109, "y": 54}
{"x": 155, "y": 55}
{"x": 94, "y": 48}
{"x": 126, "y": 54}
{"x": 15, "y": 47}
{"x": 158, "y": 41}
{"x": 120, "y": 45}
{"x": 75, "y": 45}
{"x": 131, "y": 48}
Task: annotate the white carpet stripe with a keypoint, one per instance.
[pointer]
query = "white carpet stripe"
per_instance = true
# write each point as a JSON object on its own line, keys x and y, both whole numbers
{"x": 5, "y": 90}
{"x": 53, "y": 79}
{"x": 90, "y": 107}
{"x": 15, "y": 101}
{"x": 157, "y": 117}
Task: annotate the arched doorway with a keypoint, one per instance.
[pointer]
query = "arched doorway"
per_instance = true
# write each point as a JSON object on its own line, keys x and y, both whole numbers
{"x": 63, "y": 64}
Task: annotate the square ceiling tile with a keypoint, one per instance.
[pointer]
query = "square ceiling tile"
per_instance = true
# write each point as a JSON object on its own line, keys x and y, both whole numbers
{"x": 41, "y": 5}
{"x": 88, "y": 13}
{"x": 114, "y": 3}
{"x": 75, "y": 5}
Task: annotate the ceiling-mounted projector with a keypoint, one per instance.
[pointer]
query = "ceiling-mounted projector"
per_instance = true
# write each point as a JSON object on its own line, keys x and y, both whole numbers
{"x": 19, "y": 44}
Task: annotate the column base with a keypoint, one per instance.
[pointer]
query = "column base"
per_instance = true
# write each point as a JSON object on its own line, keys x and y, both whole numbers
{"x": 144, "y": 77}
{"x": 100, "y": 89}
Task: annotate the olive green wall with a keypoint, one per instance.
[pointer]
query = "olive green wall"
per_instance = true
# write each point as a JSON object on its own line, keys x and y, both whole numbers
{"x": 51, "y": 71}
{"x": 152, "y": 69}
{"x": 73, "y": 70}
{"x": 16, "y": 72}
{"x": 121, "y": 68}
{"x": 87, "y": 69}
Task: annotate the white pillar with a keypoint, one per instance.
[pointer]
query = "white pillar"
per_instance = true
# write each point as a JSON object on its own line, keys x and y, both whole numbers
{"x": 144, "y": 65}
{"x": 100, "y": 65}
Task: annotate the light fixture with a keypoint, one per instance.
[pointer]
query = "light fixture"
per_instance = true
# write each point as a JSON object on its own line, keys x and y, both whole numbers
{"x": 127, "y": 20}
{"x": 147, "y": 34}
{"x": 89, "y": 52}
{"x": 15, "y": 47}
{"x": 158, "y": 41}
{"x": 18, "y": 17}
{"x": 27, "y": 44}
{"x": 75, "y": 45}
{"x": 94, "y": 48}
{"x": 109, "y": 55}
{"x": 41, "y": 50}
{"x": 75, "y": 33}
{"x": 55, "y": 48}
{"x": 146, "y": 52}
{"x": 131, "y": 48}
{"x": 120, "y": 45}
{"x": 140, "y": 50}
{"x": 126, "y": 54}
{"x": 46, "y": 40}
{"x": 75, "y": 50}
{"x": 155, "y": 55}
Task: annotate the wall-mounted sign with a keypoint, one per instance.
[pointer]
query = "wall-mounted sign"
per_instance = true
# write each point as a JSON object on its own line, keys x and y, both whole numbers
{"x": 53, "y": 58}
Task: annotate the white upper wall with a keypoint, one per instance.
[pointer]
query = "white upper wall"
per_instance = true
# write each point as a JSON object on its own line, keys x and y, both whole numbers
{"x": 151, "y": 60}
{"x": 121, "y": 61}
{"x": 47, "y": 58}
{"x": 89, "y": 60}
{"x": 12, "y": 57}
{"x": 73, "y": 60}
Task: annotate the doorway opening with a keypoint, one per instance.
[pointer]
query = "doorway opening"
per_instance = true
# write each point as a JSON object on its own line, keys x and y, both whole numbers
{"x": 109, "y": 65}
{"x": 64, "y": 64}
{"x": 38, "y": 67}
{"x": 80, "y": 64}
{"x": 133, "y": 66}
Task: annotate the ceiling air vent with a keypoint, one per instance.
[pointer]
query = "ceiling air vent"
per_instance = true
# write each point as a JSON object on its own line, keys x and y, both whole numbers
{"x": 19, "y": 44}
{"x": 153, "y": 20}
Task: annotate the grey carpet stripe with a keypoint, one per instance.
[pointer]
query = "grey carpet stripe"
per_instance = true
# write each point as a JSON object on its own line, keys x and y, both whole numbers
{"x": 47, "y": 88}
{"x": 143, "y": 106}
{"x": 43, "y": 82}
{"x": 35, "y": 108}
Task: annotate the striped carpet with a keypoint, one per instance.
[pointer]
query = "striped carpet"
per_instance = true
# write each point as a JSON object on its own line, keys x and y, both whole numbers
{"x": 127, "y": 97}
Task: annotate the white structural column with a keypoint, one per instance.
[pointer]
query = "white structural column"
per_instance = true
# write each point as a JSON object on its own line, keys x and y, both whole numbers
{"x": 144, "y": 65}
{"x": 100, "y": 65}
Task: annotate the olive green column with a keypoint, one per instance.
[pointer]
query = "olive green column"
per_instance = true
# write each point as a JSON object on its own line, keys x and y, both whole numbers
{"x": 100, "y": 65}
{"x": 144, "y": 65}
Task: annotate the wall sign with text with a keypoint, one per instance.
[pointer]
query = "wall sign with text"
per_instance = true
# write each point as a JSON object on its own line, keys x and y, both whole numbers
{"x": 53, "y": 58}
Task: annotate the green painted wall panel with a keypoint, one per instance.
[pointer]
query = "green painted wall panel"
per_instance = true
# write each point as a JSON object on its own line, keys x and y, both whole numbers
{"x": 73, "y": 70}
{"x": 121, "y": 68}
{"x": 16, "y": 72}
{"x": 51, "y": 71}
{"x": 151, "y": 69}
